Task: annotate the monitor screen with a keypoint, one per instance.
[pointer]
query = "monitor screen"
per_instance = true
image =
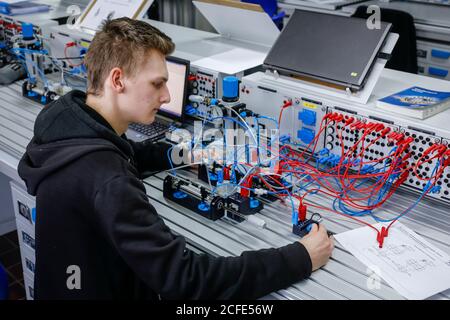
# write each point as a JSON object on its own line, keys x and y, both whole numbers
{"x": 178, "y": 71}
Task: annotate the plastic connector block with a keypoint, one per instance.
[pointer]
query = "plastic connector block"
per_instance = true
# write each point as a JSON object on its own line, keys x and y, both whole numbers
{"x": 306, "y": 135}
{"x": 254, "y": 203}
{"x": 245, "y": 205}
{"x": 213, "y": 209}
{"x": 43, "y": 99}
{"x": 27, "y": 31}
{"x": 301, "y": 229}
{"x": 308, "y": 117}
{"x": 285, "y": 138}
{"x": 190, "y": 110}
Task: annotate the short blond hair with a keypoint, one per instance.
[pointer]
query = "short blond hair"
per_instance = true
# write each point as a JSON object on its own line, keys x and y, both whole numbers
{"x": 122, "y": 43}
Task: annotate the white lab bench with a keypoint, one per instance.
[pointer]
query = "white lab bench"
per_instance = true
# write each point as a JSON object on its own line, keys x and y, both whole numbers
{"x": 344, "y": 277}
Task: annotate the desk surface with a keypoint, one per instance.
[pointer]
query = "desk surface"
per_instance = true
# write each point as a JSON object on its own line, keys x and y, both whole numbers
{"x": 344, "y": 277}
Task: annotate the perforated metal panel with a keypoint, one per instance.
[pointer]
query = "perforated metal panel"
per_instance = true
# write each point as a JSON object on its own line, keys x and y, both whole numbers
{"x": 341, "y": 138}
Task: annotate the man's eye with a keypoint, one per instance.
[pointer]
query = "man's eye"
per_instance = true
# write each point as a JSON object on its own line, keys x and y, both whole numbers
{"x": 158, "y": 85}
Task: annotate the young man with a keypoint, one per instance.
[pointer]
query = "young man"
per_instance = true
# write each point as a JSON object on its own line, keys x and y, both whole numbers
{"x": 97, "y": 235}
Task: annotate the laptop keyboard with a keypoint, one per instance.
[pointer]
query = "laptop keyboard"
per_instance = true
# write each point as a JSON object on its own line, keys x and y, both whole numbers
{"x": 153, "y": 131}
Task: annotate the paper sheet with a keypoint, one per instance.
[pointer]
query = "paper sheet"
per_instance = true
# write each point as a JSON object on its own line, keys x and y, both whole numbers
{"x": 116, "y": 8}
{"x": 407, "y": 262}
{"x": 232, "y": 61}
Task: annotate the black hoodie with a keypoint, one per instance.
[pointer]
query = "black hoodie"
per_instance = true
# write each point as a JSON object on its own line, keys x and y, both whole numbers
{"x": 93, "y": 213}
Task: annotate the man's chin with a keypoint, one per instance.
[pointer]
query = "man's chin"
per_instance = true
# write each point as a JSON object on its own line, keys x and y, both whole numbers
{"x": 149, "y": 120}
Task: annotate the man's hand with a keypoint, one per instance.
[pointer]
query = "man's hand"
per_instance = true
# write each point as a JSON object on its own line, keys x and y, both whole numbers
{"x": 318, "y": 245}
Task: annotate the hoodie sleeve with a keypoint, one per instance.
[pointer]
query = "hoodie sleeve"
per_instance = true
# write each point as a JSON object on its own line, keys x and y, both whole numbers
{"x": 162, "y": 261}
{"x": 150, "y": 156}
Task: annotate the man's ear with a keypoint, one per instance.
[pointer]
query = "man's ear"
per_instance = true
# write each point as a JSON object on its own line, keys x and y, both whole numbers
{"x": 116, "y": 78}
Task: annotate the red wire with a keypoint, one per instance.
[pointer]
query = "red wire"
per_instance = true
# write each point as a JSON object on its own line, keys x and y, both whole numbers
{"x": 70, "y": 61}
{"x": 345, "y": 173}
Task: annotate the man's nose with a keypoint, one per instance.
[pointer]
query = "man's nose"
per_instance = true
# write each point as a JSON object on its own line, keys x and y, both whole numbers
{"x": 165, "y": 98}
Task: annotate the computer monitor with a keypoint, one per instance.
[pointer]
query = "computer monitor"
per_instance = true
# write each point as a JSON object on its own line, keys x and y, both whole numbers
{"x": 178, "y": 82}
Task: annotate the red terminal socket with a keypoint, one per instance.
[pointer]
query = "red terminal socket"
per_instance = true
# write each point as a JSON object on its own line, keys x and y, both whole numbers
{"x": 287, "y": 103}
{"x": 403, "y": 177}
{"x": 385, "y": 131}
{"x": 402, "y": 147}
{"x": 332, "y": 117}
{"x": 226, "y": 173}
{"x": 354, "y": 124}
{"x": 404, "y": 163}
{"x": 447, "y": 160}
{"x": 371, "y": 126}
{"x": 441, "y": 150}
{"x": 399, "y": 138}
{"x": 429, "y": 150}
{"x": 302, "y": 211}
{"x": 360, "y": 126}
{"x": 379, "y": 127}
{"x": 406, "y": 156}
{"x": 245, "y": 192}
{"x": 349, "y": 121}
{"x": 381, "y": 235}
{"x": 407, "y": 140}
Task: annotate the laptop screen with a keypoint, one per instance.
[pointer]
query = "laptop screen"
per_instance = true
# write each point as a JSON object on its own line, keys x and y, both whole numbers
{"x": 178, "y": 72}
{"x": 327, "y": 47}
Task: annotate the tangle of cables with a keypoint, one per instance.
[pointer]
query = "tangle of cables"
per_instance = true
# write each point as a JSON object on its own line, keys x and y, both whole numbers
{"x": 355, "y": 186}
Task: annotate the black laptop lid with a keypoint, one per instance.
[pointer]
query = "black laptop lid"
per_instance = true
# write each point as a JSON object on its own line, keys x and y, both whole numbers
{"x": 327, "y": 47}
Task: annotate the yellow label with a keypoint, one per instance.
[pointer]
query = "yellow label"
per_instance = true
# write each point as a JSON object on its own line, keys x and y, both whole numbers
{"x": 84, "y": 44}
{"x": 309, "y": 105}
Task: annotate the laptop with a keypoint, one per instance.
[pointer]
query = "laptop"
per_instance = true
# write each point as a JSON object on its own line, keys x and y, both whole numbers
{"x": 170, "y": 115}
{"x": 328, "y": 48}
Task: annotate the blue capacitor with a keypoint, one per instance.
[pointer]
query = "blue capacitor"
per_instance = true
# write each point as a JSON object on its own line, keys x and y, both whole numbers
{"x": 27, "y": 31}
{"x": 230, "y": 88}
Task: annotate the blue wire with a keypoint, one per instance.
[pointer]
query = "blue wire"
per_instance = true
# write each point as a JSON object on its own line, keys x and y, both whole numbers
{"x": 269, "y": 118}
{"x": 170, "y": 160}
